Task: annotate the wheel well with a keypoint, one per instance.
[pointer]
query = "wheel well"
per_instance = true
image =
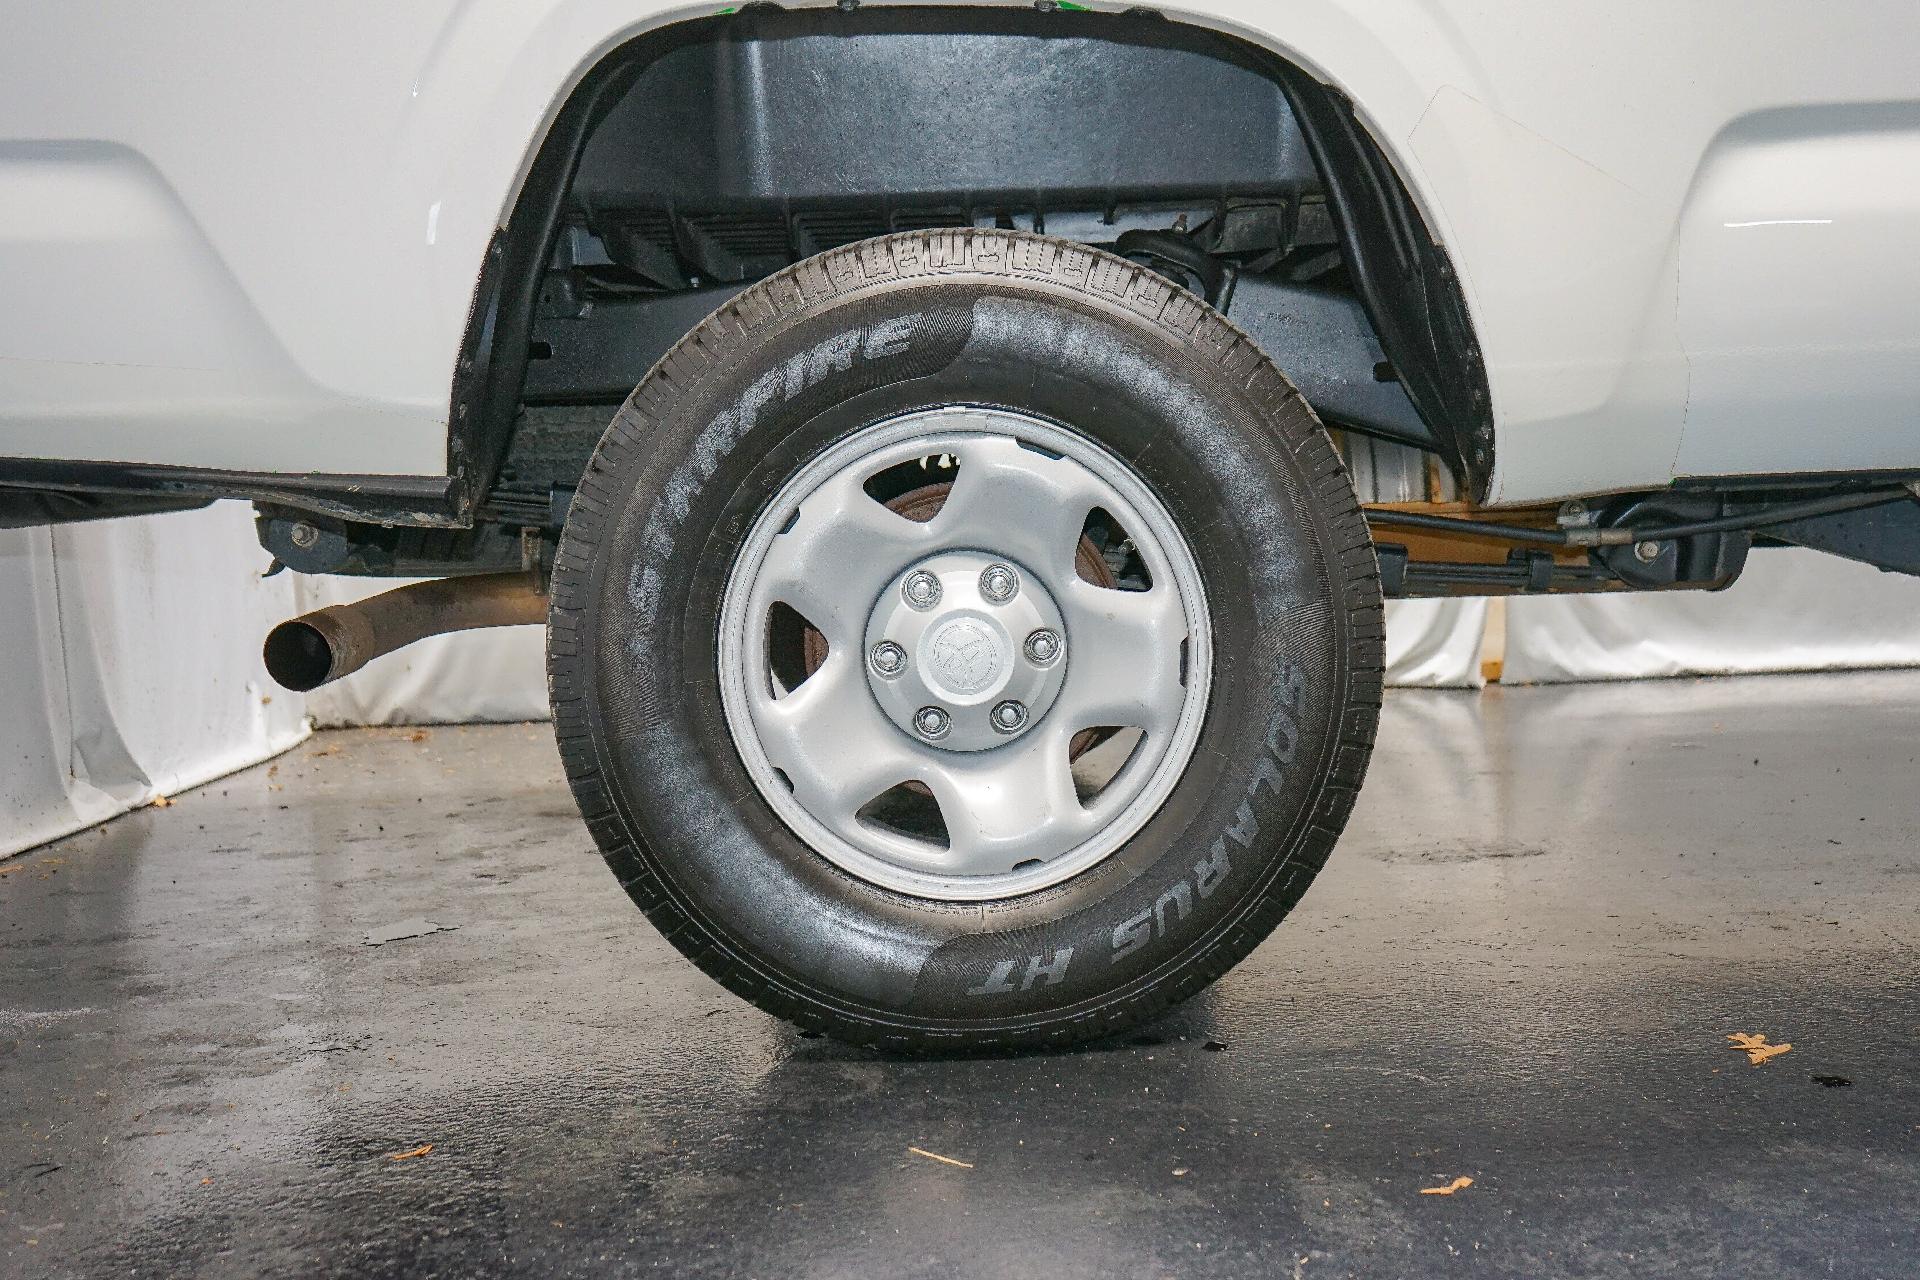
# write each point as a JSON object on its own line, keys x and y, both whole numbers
{"x": 700, "y": 157}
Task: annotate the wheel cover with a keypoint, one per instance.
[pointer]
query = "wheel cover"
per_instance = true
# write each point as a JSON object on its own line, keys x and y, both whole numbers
{"x": 965, "y": 654}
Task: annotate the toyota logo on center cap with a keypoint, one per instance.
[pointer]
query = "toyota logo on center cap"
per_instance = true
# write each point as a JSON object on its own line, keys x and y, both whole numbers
{"x": 965, "y": 656}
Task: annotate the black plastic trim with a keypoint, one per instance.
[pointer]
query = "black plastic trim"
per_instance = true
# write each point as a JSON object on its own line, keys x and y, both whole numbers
{"x": 36, "y": 508}
{"x": 493, "y": 362}
{"x": 409, "y": 500}
{"x": 1801, "y": 480}
{"x": 1404, "y": 278}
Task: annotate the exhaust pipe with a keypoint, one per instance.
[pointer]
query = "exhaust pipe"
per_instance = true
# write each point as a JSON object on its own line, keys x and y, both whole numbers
{"x": 317, "y": 648}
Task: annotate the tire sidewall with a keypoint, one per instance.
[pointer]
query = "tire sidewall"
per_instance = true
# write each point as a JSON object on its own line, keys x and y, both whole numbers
{"x": 730, "y": 415}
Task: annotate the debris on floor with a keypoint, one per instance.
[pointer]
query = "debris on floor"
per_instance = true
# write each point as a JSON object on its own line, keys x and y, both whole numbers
{"x": 418, "y": 928}
{"x": 1755, "y": 1046}
{"x": 958, "y": 1164}
{"x": 1460, "y": 1183}
{"x": 161, "y": 802}
{"x": 408, "y": 1155}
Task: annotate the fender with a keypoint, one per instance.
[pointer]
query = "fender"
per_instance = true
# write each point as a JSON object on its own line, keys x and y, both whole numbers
{"x": 333, "y": 246}
{"x": 1438, "y": 361}
{"x": 1562, "y": 207}
{"x": 365, "y": 251}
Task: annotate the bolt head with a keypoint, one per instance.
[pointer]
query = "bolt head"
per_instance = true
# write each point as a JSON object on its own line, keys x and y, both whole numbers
{"x": 999, "y": 583}
{"x": 921, "y": 589}
{"x": 1009, "y": 715}
{"x": 1646, "y": 551}
{"x": 888, "y": 658}
{"x": 931, "y": 723}
{"x": 303, "y": 535}
{"x": 1042, "y": 648}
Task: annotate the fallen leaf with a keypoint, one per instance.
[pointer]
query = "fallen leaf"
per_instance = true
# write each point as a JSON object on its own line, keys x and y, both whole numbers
{"x": 1755, "y": 1046}
{"x": 1458, "y": 1184}
{"x": 161, "y": 802}
{"x": 958, "y": 1164}
{"x": 408, "y": 1155}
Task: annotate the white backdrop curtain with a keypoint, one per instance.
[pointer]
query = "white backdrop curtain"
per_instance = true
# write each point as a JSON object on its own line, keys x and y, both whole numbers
{"x": 132, "y": 665}
{"x": 1791, "y": 610}
{"x": 1435, "y": 644}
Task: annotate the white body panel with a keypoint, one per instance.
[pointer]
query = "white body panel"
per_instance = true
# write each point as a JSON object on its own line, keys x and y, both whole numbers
{"x": 288, "y": 207}
{"x": 1800, "y": 294}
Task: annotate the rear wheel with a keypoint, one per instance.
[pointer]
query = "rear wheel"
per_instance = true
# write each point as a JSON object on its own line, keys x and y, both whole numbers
{"x": 964, "y": 640}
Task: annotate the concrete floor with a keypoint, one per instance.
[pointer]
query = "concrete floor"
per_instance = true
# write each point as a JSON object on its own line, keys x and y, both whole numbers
{"x": 1522, "y": 967}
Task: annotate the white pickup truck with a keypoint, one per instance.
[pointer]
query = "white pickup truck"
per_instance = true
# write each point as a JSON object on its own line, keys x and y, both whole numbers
{"x": 959, "y": 452}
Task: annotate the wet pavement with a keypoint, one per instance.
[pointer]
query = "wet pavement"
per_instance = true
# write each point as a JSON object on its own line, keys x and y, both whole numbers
{"x": 1521, "y": 967}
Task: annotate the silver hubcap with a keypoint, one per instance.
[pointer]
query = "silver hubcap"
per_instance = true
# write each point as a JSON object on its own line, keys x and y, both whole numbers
{"x": 967, "y": 659}
{"x": 965, "y": 656}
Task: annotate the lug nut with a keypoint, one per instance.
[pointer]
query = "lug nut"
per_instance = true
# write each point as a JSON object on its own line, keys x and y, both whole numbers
{"x": 931, "y": 723}
{"x": 921, "y": 589}
{"x": 1009, "y": 715}
{"x": 1042, "y": 648}
{"x": 888, "y": 658}
{"x": 999, "y": 583}
{"x": 1646, "y": 552}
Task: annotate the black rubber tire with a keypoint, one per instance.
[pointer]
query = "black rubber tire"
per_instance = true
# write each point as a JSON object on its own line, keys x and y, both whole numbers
{"x": 1061, "y": 332}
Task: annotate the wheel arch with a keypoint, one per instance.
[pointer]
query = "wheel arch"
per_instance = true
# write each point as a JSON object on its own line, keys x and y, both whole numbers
{"x": 1355, "y": 90}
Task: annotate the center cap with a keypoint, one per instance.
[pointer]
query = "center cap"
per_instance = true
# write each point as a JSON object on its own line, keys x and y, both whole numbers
{"x": 965, "y": 651}
{"x": 964, "y": 656}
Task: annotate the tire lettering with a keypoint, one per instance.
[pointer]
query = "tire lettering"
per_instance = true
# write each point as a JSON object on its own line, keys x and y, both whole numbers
{"x": 1132, "y": 934}
{"x": 808, "y": 369}
{"x": 1054, "y": 970}
{"x": 835, "y": 355}
{"x": 1211, "y": 870}
{"x": 998, "y": 982}
{"x": 1282, "y": 745}
{"x": 1179, "y": 896}
{"x": 888, "y": 338}
{"x": 1042, "y": 969}
{"x": 1245, "y": 826}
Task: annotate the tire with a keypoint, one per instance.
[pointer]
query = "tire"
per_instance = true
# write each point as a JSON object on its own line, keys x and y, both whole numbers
{"x": 1039, "y": 330}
